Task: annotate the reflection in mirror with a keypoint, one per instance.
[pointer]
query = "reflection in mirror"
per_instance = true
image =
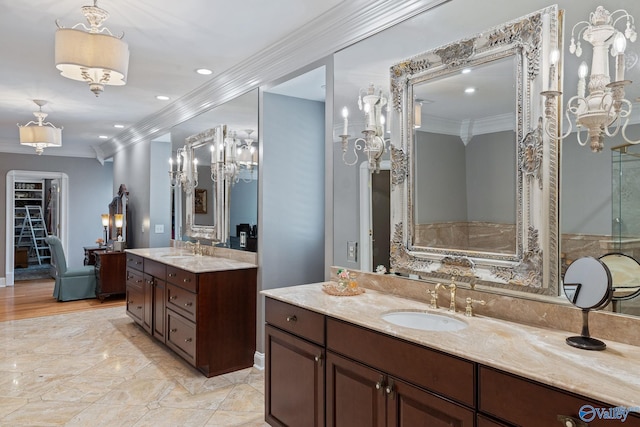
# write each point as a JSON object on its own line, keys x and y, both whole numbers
{"x": 465, "y": 158}
{"x": 625, "y": 275}
{"x": 241, "y": 118}
{"x": 587, "y": 284}
{"x": 479, "y": 217}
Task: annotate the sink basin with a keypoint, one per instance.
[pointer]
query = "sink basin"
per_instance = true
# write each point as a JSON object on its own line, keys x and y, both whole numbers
{"x": 424, "y": 321}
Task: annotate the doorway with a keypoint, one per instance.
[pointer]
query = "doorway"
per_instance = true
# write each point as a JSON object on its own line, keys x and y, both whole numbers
{"x": 36, "y": 206}
{"x": 375, "y": 217}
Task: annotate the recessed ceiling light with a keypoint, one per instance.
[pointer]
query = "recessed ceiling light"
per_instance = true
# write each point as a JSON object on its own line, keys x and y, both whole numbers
{"x": 466, "y": 71}
{"x": 470, "y": 90}
{"x": 162, "y": 97}
{"x": 118, "y": 126}
{"x": 103, "y": 137}
{"x": 204, "y": 71}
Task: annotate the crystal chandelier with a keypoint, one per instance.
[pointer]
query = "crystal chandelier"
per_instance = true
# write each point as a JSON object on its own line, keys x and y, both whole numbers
{"x": 92, "y": 56}
{"x": 185, "y": 173}
{"x": 371, "y": 101}
{"x": 40, "y": 134}
{"x": 604, "y": 111}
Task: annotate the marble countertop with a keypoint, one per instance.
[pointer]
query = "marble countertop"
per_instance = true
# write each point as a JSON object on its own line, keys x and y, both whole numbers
{"x": 186, "y": 260}
{"x": 611, "y": 376}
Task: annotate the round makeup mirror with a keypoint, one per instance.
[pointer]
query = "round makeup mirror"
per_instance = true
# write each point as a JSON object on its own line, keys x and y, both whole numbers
{"x": 625, "y": 273}
{"x": 588, "y": 285}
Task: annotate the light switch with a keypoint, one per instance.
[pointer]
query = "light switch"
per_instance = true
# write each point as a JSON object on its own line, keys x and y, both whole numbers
{"x": 159, "y": 228}
{"x": 352, "y": 251}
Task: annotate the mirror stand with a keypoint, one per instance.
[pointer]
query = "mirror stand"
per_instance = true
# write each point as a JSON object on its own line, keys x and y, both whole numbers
{"x": 584, "y": 340}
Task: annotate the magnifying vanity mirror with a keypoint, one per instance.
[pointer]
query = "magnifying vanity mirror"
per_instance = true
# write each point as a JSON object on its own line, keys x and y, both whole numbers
{"x": 474, "y": 178}
{"x": 587, "y": 285}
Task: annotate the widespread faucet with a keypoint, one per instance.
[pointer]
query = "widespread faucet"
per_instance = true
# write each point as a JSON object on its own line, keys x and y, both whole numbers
{"x": 195, "y": 247}
{"x": 452, "y": 288}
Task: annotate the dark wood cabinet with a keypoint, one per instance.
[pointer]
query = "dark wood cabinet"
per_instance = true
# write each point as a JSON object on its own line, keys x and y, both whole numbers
{"x": 374, "y": 379}
{"x": 89, "y": 254}
{"x": 294, "y": 380}
{"x": 111, "y": 273}
{"x": 519, "y": 401}
{"x": 208, "y": 318}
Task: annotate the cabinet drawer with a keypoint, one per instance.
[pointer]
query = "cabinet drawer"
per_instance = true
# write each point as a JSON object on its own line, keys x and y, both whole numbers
{"x": 155, "y": 268}
{"x": 182, "y": 278}
{"x": 430, "y": 369}
{"x": 523, "y": 402}
{"x": 297, "y": 320}
{"x": 181, "y": 336}
{"x": 135, "y": 261}
{"x": 182, "y": 301}
{"x": 135, "y": 303}
{"x": 135, "y": 278}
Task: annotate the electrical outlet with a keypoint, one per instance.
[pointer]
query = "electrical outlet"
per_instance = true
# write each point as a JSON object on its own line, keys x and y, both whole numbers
{"x": 159, "y": 228}
{"x": 352, "y": 251}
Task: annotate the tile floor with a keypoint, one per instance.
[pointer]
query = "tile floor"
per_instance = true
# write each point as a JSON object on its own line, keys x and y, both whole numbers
{"x": 97, "y": 368}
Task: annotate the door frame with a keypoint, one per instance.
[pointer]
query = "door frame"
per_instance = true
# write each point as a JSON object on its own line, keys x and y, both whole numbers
{"x": 18, "y": 175}
{"x": 366, "y": 241}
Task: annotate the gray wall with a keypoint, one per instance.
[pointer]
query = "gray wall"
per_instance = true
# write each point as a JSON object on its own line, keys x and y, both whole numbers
{"x": 491, "y": 178}
{"x": 143, "y": 168}
{"x": 90, "y": 192}
{"x": 291, "y": 215}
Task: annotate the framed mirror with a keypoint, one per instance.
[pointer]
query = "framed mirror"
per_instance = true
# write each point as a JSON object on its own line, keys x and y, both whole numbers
{"x": 474, "y": 177}
{"x": 206, "y": 217}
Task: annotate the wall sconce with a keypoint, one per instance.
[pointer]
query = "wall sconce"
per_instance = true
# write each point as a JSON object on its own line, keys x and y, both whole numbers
{"x": 605, "y": 107}
{"x": 105, "y": 224}
{"x": 371, "y": 103}
{"x": 119, "y": 220}
{"x": 232, "y": 157}
{"x": 185, "y": 173}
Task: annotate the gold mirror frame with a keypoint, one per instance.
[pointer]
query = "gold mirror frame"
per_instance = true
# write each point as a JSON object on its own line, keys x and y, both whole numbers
{"x": 219, "y": 232}
{"x": 534, "y": 266}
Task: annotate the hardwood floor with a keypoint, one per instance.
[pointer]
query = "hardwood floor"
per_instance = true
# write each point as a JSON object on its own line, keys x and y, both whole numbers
{"x": 33, "y": 298}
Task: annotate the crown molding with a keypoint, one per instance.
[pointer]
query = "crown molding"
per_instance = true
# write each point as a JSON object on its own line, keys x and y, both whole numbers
{"x": 347, "y": 23}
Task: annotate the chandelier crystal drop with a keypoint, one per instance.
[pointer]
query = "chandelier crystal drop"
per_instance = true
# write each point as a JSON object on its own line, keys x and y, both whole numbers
{"x": 92, "y": 54}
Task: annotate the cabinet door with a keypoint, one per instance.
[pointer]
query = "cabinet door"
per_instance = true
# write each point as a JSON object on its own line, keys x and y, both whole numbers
{"x": 294, "y": 380}
{"x": 409, "y": 406}
{"x": 159, "y": 295}
{"x": 135, "y": 303}
{"x": 355, "y": 394}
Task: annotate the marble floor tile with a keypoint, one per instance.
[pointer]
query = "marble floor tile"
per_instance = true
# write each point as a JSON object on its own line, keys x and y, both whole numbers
{"x": 98, "y": 368}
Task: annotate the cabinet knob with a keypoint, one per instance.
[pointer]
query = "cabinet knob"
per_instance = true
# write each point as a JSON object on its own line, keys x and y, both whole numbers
{"x": 188, "y": 340}
{"x": 150, "y": 282}
{"x": 380, "y": 383}
{"x": 139, "y": 307}
{"x": 174, "y": 330}
{"x": 130, "y": 302}
{"x": 139, "y": 281}
{"x": 172, "y": 274}
{"x": 172, "y": 297}
{"x": 292, "y": 318}
{"x": 568, "y": 421}
{"x": 389, "y": 389}
{"x": 318, "y": 359}
{"x": 186, "y": 280}
{"x": 188, "y": 304}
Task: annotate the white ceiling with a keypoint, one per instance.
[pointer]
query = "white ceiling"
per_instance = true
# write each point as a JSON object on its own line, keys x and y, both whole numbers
{"x": 167, "y": 39}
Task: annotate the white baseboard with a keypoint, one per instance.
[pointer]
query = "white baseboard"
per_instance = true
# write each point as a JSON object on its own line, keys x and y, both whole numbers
{"x": 3, "y": 282}
{"x": 258, "y": 361}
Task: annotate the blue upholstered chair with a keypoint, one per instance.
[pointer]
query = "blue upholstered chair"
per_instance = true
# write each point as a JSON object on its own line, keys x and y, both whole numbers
{"x": 79, "y": 283}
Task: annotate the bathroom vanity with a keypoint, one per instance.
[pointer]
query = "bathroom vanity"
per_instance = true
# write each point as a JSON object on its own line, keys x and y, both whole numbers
{"x": 201, "y": 307}
{"x": 334, "y": 361}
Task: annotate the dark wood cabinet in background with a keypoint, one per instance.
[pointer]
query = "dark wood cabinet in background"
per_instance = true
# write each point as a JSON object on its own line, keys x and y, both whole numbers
{"x": 89, "y": 254}
{"x": 208, "y": 318}
{"x": 111, "y": 273}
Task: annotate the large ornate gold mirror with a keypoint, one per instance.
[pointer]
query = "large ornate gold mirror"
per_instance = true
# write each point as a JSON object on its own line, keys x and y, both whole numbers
{"x": 474, "y": 178}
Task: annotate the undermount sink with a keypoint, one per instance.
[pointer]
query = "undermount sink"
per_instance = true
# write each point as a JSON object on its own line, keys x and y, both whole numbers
{"x": 424, "y": 321}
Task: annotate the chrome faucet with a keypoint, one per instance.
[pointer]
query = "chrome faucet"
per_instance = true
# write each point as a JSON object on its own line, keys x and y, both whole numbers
{"x": 452, "y": 288}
